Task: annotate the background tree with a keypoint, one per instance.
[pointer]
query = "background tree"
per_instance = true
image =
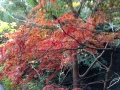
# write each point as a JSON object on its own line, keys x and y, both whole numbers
{"x": 16, "y": 10}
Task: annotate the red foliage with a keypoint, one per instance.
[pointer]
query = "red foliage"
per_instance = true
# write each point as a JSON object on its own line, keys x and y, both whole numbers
{"x": 52, "y": 48}
{"x": 51, "y": 87}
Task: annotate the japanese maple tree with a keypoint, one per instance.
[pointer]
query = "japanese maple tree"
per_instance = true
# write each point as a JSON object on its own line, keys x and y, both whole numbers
{"x": 52, "y": 44}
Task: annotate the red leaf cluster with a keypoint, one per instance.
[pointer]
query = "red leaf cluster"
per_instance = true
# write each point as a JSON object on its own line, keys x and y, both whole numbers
{"x": 51, "y": 48}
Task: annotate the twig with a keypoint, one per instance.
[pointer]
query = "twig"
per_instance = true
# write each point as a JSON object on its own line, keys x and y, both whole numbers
{"x": 114, "y": 81}
{"x": 68, "y": 34}
{"x": 102, "y": 64}
{"x": 65, "y": 76}
{"x": 92, "y": 76}
{"x": 101, "y": 81}
{"x": 37, "y": 72}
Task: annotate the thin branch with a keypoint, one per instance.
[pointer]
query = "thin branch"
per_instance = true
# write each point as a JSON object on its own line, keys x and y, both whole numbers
{"x": 102, "y": 64}
{"x": 68, "y": 34}
{"x": 93, "y": 63}
{"x": 65, "y": 76}
{"x": 111, "y": 61}
{"x": 65, "y": 49}
{"x": 101, "y": 81}
{"x": 92, "y": 75}
{"x": 97, "y": 60}
{"x": 114, "y": 81}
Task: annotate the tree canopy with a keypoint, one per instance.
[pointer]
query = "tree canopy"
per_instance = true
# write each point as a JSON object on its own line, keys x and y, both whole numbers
{"x": 52, "y": 38}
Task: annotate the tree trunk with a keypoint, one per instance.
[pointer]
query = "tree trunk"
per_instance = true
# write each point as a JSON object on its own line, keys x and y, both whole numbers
{"x": 75, "y": 72}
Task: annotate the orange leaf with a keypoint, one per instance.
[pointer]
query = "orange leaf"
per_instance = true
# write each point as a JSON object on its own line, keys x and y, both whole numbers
{"x": 109, "y": 37}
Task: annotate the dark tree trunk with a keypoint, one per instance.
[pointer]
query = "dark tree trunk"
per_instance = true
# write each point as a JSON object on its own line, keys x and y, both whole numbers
{"x": 75, "y": 73}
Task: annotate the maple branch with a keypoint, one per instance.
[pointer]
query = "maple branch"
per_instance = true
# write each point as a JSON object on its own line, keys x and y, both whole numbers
{"x": 99, "y": 48}
{"x": 65, "y": 49}
{"x": 98, "y": 60}
{"x": 93, "y": 63}
{"x": 64, "y": 30}
{"x": 68, "y": 34}
{"x": 101, "y": 81}
{"x": 107, "y": 72}
{"x": 92, "y": 76}
{"x": 107, "y": 68}
{"x": 114, "y": 81}
{"x": 82, "y": 44}
{"x": 45, "y": 52}
{"x": 102, "y": 64}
